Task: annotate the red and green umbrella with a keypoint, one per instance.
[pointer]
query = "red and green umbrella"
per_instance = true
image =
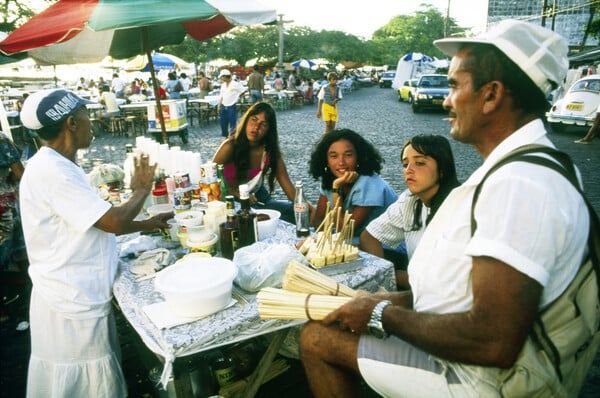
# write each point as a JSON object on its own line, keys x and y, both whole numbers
{"x": 84, "y": 31}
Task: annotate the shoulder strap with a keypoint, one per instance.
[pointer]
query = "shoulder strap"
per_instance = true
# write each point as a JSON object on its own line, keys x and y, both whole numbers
{"x": 563, "y": 165}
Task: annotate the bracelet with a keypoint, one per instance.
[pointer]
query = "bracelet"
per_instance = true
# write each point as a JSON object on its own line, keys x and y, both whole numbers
{"x": 339, "y": 191}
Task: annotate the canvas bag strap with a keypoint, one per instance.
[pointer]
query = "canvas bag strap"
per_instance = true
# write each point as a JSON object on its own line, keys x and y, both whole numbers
{"x": 525, "y": 154}
{"x": 567, "y": 170}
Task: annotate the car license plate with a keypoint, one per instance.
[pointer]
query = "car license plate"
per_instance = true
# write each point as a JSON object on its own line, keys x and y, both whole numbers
{"x": 575, "y": 107}
{"x": 437, "y": 101}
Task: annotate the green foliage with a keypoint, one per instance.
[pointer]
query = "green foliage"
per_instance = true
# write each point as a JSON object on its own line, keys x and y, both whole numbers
{"x": 594, "y": 30}
{"x": 14, "y": 14}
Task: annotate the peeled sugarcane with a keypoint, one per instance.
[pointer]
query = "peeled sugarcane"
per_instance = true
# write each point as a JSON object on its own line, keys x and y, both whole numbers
{"x": 282, "y": 304}
{"x": 300, "y": 278}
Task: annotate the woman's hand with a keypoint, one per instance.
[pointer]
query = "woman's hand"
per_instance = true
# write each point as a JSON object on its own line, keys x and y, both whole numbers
{"x": 348, "y": 178}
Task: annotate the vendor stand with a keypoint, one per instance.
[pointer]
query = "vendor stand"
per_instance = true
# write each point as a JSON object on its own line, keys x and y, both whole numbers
{"x": 234, "y": 324}
{"x": 174, "y": 114}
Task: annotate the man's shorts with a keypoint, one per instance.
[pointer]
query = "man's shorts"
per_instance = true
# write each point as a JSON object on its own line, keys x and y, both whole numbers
{"x": 330, "y": 113}
{"x": 394, "y": 368}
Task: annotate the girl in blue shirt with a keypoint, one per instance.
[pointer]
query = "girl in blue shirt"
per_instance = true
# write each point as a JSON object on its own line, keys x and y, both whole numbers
{"x": 349, "y": 166}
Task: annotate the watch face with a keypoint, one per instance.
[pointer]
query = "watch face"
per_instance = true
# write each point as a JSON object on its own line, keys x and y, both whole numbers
{"x": 377, "y": 331}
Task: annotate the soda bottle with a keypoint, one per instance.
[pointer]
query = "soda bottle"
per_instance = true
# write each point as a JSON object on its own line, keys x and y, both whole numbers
{"x": 247, "y": 221}
{"x": 229, "y": 230}
{"x": 301, "y": 211}
{"x": 223, "y": 182}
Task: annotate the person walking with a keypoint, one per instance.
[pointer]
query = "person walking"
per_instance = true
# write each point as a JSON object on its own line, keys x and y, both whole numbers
{"x": 474, "y": 295}
{"x": 228, "y": 97}
{"x": 593, "y": 131}
{"x": 329, "y": 95}
{"x": 256, "y": 85}
{"x": 70, "y": 238}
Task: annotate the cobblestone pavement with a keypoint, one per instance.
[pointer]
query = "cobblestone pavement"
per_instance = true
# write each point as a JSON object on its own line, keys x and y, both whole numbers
{"x": 377, "y": 114}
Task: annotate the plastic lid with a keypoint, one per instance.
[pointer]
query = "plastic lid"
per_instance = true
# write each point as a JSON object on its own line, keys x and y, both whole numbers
{"x": 159, "y": 191}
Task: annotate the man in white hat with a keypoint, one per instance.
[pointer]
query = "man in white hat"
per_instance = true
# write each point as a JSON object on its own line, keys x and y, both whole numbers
{"x": 229, "y": 94}
{"x": 70, "y": 237}
{"x": 474, "y": 296}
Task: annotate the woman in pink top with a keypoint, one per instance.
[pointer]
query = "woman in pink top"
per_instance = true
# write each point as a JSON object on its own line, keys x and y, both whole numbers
{"x": 252, "y": 156}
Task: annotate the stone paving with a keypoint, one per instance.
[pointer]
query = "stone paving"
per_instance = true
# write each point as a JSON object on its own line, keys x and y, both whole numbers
{"x": 377, "y": 114}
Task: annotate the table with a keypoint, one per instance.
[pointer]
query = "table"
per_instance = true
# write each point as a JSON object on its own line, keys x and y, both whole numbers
{"x": 234, "y": 324}
{"x": 203, "y": 108}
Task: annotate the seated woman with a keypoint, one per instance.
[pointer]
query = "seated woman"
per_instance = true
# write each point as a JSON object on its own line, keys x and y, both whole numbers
{"x": 348, "y": 166}
{"x": 430, "y": 174}
{"x": 252, "y": 156}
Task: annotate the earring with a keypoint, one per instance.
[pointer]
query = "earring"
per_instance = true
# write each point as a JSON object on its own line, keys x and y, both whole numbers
{"x": 325, "y": 169}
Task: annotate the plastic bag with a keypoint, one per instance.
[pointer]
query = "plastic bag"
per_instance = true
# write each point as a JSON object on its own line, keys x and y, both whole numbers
{"x": 105, "y": 174}
{"x": 263, "y": 264}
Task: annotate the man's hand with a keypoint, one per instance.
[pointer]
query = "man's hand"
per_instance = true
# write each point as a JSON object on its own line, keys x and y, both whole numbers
{"x": 143, "y": 174}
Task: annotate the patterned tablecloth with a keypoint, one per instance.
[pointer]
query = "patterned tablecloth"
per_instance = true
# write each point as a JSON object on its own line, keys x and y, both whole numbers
{"x": 236, "y": 323}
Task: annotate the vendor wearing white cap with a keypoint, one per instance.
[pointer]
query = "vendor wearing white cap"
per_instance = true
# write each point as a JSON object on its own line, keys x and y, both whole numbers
{"x": 70, "y": 237}
{"x": 475, "y": 296}
{"x": 229, "y": 95}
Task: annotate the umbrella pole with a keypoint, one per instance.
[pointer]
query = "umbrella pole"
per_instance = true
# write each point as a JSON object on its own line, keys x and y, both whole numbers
{"x": 161, "y": 117}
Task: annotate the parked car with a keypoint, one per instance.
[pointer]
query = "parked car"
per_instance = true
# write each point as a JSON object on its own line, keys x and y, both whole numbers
{"x": 386, "y": 79}
{"x": 431, "y": 92}
{"x": 407, "y": 91}
{"x": 578, "y": 106}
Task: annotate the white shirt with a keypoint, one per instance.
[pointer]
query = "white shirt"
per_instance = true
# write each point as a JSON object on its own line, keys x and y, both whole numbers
{"x": 110, "y": 101}
{"x": 230, "y": 94}
{"x": 72, "y": 264}
{"x": 395, "y": 225}
{"x": 529, "y": 217}
{"x": 118, "y": 84}
{"x": 185, "y": 83}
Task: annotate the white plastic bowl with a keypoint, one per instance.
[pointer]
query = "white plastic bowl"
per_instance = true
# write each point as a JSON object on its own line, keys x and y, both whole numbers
{"x": 189, "y": 218}
{"x": 267, "y": 228}
{"x": 198, "y": 286}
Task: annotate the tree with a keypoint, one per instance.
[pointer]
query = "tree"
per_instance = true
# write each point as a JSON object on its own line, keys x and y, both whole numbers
{"x": 407, "y": 33}
{"x": 15, "y": 13}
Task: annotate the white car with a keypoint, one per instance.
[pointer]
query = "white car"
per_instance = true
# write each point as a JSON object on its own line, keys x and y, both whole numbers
{"x": 579, "y": 105}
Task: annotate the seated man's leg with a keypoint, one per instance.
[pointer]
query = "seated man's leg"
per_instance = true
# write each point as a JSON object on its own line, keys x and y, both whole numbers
{"x": 329, "y": 357}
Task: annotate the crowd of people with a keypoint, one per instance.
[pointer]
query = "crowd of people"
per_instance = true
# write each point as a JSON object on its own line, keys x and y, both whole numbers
{"x": 471, "y": 281}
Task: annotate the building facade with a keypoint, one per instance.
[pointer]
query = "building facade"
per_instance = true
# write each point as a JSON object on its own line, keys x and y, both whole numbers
{"x": 567, "y": 17}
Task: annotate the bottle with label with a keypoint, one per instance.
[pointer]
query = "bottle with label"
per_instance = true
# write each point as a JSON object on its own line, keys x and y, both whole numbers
{"x": 223, "y": 182}
{"x": 247, "y": 220}
{"x": 301, "y": 211}
{"x": 229, "y": 230}
{"x": 223, "y": 368}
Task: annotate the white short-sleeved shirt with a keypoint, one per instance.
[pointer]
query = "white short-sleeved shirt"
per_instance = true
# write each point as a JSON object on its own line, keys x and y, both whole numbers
{"x": 529, "y": 217}
{"x": 72, "y": 264}
{"x": 395, "y": 225}
{"x": 230, "y": 94}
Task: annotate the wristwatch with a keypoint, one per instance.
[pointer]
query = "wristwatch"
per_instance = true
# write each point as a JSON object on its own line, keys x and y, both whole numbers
{"x": 375, "y": 325}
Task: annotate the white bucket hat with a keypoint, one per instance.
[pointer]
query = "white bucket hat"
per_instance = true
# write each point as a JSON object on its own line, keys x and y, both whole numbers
{"x": 539, "y": 52}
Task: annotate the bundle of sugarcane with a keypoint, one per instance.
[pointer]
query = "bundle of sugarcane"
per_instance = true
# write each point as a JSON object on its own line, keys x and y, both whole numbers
{"x": 328, "y": 247}
{"x": 283, "y": 304}
{"x": 300, "y": 278}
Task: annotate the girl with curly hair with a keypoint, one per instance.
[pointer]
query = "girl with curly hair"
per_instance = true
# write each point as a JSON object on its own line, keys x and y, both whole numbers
{"x": 349, "y": 166}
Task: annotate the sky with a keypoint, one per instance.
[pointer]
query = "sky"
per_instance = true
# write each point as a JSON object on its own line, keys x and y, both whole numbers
{"x": 362, "y": 19}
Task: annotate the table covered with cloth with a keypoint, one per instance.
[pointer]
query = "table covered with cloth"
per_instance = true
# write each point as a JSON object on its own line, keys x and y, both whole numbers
{"x": 233, "y": 324}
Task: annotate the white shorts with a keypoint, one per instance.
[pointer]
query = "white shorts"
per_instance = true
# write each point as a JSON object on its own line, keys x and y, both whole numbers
{"x": 394, "y": 368}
